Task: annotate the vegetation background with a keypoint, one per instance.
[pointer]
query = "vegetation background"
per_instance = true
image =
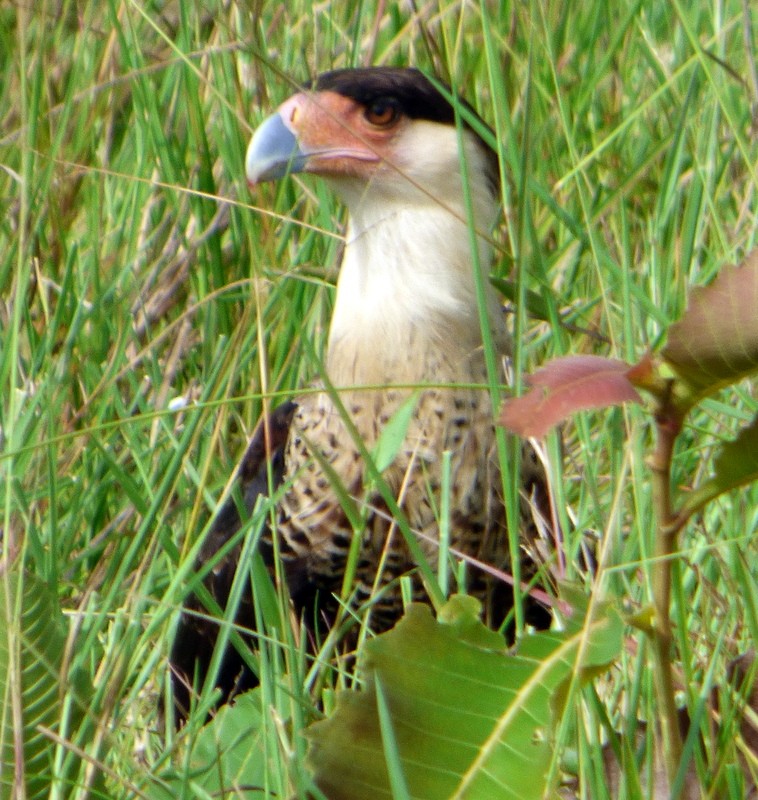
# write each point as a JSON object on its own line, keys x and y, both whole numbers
{"x": 150, "y": 303}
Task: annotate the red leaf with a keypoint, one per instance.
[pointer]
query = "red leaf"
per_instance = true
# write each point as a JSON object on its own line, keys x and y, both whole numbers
{"x": 715, "y": 343}
{"x": 566, "y": 385}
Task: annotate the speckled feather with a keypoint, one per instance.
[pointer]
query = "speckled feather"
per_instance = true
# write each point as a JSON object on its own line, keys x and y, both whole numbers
{"x": 313, "y": 524}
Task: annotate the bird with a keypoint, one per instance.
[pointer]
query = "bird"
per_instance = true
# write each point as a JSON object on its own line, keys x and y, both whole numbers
{"x": 411, "y": 163}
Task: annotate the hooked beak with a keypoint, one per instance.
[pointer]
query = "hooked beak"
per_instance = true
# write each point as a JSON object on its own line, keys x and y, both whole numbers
{"x": 310, "y": 133}
{"x": 273, "y": 151}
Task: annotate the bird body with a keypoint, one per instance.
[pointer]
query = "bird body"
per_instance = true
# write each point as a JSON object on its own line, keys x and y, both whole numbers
{"x": 407, "y": 322}
{"x": 405, "y": 315}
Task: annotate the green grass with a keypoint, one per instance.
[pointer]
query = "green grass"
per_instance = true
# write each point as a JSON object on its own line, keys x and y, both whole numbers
{"x": 136, "y": 269}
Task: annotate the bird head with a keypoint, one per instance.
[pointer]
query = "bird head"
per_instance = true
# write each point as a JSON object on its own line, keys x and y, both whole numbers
{"x": 392, "y": 145}
{"x": 382, "y": 130}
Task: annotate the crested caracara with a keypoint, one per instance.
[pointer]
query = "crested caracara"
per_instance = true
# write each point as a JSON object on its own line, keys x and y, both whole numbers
{"x": 407, "y": 313}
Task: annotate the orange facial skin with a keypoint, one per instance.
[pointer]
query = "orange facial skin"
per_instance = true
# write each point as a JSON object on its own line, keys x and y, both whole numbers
{"x": 332, "y": 135}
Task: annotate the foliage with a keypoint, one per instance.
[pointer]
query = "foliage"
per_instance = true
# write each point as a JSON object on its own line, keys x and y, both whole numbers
{"x": 47, "y": 693}
{"x": 464, "y": 718}
{"x": 227, "y": 755}
{"x": 714, "y": 344}
{"x": 570, "y": 384}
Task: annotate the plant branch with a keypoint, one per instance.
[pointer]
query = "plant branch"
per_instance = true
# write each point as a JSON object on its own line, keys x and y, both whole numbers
{"x": 668, "y": 426}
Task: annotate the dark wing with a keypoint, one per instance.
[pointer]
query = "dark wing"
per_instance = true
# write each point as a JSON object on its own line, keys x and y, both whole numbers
{"x": 196, "y": 634}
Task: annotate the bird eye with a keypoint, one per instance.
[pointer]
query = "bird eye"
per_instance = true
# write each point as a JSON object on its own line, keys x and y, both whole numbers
{"x": 382, "y": 113}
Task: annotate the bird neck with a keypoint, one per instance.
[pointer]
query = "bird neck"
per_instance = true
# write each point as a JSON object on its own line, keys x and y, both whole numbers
{"x": 406, "y": 309}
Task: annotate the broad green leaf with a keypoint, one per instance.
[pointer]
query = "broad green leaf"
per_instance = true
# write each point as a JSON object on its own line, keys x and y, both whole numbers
{"x": 735, "y": 466}
{"x": 467, "y": 719}
{"x": 715, "y": 343}
{"x": 227, "y": 755}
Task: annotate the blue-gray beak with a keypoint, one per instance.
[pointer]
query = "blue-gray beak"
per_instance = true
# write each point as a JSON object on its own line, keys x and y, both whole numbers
{"x": 273, "y": 152}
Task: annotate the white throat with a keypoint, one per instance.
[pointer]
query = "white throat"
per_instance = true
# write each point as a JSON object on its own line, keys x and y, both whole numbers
{"x": 406, "y": 309}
